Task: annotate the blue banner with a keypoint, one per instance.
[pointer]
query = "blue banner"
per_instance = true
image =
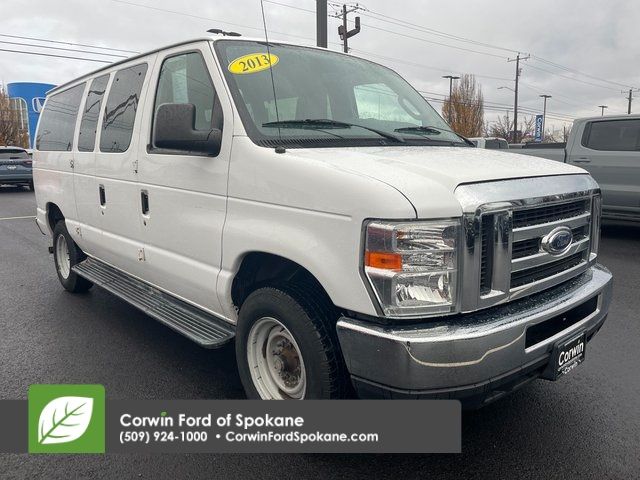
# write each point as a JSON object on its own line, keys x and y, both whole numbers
{"x": 539, "y": 122}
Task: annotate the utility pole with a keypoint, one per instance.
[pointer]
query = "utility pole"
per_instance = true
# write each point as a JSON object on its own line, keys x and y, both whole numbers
{"x": 345, "y": 34}
{"x": 451, "y": 79}
{"x": 321, "y": 23}
{"x": 630, "y": 99}
{"x": 544, "y": 113}
{"x": 515, "y": 101}
{"x": 602, "y": 107}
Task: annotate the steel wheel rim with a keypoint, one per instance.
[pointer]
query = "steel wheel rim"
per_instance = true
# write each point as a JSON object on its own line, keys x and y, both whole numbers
{"x": 62, "y": 257}
{"x": 275, "y": 361}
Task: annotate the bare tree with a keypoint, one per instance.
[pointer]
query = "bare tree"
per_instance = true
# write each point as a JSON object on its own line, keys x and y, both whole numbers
{"x": 464, "y": 111}
{"x": 501, "y": 128}
{"x": 527, "y": 129}
{"x": 11, "y": 131}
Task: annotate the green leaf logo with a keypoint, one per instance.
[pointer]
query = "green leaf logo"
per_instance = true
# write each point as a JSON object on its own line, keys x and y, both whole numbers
{"x": 64, "y": 419}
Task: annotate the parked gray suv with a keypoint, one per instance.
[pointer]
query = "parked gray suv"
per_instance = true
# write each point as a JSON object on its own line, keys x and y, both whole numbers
{"x": 15, "y": 167}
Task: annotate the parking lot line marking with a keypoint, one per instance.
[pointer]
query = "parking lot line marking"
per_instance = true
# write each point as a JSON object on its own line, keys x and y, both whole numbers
{"x": 17, "y": 218}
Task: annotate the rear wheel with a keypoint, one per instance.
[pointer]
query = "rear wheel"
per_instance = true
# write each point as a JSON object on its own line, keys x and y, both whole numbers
{"x": 30, "y": 185}
{"x": 66, "y": 255}
{"x": 287, "y": 348}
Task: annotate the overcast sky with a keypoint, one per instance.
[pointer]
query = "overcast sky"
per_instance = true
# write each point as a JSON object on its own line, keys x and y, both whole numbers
{"x": 596, "y": 38}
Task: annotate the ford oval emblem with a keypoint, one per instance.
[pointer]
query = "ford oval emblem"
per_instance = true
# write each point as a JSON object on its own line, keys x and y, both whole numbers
{"x": 558, "y": 241}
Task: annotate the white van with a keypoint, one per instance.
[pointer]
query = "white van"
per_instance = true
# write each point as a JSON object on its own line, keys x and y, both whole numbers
{"x": 342, "y": 234}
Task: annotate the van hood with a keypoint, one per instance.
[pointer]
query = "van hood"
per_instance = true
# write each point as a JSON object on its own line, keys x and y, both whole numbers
{"x": 428, "y": 176}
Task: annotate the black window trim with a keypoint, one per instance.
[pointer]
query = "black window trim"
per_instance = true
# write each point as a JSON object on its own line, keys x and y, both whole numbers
{"x": 151, "y": 149}
{"x": 584, "y": 141}
{"x": 107, "y": 93}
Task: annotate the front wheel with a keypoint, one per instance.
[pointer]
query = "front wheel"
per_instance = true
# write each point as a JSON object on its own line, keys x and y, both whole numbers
{"x": 286, "y": 346}
{"x": 66, "y": 255}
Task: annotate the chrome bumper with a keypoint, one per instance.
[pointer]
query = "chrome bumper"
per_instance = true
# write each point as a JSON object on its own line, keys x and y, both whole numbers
{"x": 470, "y": 352}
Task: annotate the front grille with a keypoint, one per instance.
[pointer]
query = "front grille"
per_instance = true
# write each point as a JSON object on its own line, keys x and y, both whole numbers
{"x": 487, "y": 254}
{"x": 551, "y": 213}
{"x": 530, "y": 263}
{"x": 531, "y": 246}
{"x": 534, "y": 274}
{"x": 526, "y": 248}
{"x": 511, "y": 231}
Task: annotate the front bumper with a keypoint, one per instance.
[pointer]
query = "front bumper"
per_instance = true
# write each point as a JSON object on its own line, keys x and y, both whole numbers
{"x": 478, "y": 356}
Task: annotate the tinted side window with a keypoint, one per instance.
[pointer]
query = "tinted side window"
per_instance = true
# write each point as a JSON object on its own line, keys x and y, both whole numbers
{"x": 614, "y": 135}
{"x": 185, "y": 79}
{"x": 492, "y": 144}
{"x": 120, "y": 112}
{"x": 89, "y": 122}
{"x": 58, "y": 120}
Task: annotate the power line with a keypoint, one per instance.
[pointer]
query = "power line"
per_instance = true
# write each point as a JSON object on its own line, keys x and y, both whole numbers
{"x": 416, "y": 27}
{"x": 491, "y": 105}
{"x": 62, "y": 49}
{"x": 573, "y": 70}
{"x": 393, "y": 32}
{"x": 431, "y": 31}
{"x": 55, "y": 56}
{"x": 66, "y": 43}
{"x": 421, "y": 65}
{"x": 412, "y": 26}
{"x": 199, "y": 17}
{"x": 571, "y": 78}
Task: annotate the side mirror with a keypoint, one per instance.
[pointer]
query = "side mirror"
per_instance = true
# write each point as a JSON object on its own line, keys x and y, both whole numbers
{"x": 174, "y": 129}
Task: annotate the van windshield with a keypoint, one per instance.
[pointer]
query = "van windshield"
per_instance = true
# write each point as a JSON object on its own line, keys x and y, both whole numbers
{"x": 324, "y": 98}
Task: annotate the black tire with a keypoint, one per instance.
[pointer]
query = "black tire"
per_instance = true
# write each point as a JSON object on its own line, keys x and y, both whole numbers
{"x": 31, "y": 187}
{"x": 311, "y": 320}
{"x": 73, "y": 282}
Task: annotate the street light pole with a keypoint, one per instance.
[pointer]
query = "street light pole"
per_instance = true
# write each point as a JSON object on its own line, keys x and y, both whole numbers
{"x": 602, "y": 107}
{"x": 544, "y": 113}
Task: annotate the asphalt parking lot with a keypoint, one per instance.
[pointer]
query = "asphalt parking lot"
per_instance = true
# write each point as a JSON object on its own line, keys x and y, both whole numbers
{"x": 585, "y": 426}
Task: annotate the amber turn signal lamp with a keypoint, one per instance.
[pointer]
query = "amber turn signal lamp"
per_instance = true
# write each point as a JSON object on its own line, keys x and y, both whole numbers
{"x": 384, "y": 260}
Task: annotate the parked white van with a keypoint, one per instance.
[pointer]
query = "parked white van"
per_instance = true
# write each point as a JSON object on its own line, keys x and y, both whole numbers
{"x": 313, "y": 207}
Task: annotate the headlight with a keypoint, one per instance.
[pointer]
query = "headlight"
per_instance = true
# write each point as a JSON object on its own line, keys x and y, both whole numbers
{"x": 413, "y": 266}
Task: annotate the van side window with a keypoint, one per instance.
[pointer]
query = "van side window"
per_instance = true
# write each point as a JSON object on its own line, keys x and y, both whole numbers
{"x": 613, "y": 135}
{"x": 120, "y": 112}
{"x": 58, "y": 120}
{"x": 184, "y": 78}
{"x": 89, "y": 122}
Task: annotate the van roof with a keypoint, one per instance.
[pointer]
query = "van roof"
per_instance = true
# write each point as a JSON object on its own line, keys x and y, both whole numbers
{"x": 178, "y": 44}
{"x": 622, "y": 116}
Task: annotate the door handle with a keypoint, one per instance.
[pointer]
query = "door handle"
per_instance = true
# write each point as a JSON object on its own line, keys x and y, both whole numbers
{"x": 144, "y": 202}
{"x": 582, "y": 160}
{"x": 103, "y": 197}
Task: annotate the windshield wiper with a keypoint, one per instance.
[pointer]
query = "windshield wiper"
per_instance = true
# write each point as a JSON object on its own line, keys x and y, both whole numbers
{"x": 323, "y": 123}
{"x": 431, "y": 130}
{"x": 419, "y": 129}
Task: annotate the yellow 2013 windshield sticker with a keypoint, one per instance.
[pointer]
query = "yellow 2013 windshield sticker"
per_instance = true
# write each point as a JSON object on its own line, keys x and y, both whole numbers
{"x": 252, "y": 63}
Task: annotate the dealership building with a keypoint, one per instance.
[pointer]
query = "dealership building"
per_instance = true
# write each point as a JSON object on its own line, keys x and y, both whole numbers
{"x": 28, "y": 99}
